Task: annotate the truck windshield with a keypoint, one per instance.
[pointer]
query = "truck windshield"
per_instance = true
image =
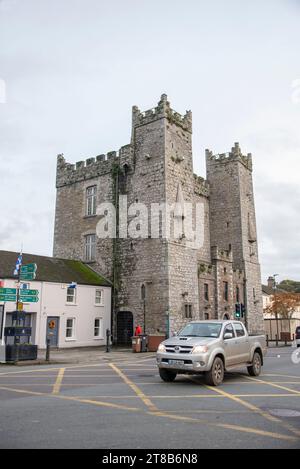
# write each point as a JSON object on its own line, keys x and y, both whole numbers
{"x": 208, "y": 329}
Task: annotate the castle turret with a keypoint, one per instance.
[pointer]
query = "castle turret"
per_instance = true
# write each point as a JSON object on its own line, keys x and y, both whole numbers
{"x": 233, "y": 223}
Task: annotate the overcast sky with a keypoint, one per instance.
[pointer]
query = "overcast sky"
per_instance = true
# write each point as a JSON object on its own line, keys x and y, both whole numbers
{"x": 70, "y": 71}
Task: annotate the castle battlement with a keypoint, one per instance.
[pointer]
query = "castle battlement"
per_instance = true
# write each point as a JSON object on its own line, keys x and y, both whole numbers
{"x": 162, "y": 110}
{"x": 201, "y": 186}
{"x": 69, "y": 173}
{"x": 234, "y": 154}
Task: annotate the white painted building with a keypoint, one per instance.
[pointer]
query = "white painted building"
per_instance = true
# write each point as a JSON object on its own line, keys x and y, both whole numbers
{"x": 75, "y": 317}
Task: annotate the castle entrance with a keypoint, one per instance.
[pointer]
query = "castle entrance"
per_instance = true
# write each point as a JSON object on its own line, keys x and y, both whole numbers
{"x": 124, "y": 327}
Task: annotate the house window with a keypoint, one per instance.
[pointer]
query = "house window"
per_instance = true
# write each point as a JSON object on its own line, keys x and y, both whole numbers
{"x": 91, "y": 194}
{"x": 225, "y": 291}
{"x": 70, "y": 328}
{"x": 206, "y": 292}
{"x": 71, "y": 295}
{"x": 99, "y": 297}
{"x": 98, "y": 327}
{"x": 90, "y": 248}
{"x": 188, "y": 311}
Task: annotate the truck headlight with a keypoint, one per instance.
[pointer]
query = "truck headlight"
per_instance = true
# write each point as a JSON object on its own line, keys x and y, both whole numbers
{"x": 161, "y": 348}
{"x": 200, "y": 349}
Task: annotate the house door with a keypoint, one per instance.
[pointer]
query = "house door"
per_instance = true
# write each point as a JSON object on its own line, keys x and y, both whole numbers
{"x": 124, "y": 327}
{"x": 52, "y": 330}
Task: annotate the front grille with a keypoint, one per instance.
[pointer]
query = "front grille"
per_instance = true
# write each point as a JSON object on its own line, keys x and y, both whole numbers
{"x": 182, "y": 349}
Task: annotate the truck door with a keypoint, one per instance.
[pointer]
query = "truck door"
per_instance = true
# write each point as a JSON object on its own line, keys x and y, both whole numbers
{"x": 242, "y": 343}
{"x": 230, "y": 346}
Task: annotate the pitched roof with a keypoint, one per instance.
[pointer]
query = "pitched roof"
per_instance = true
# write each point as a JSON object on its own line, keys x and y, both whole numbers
{"x": 270, "y": 291}
{"x": 51, "y": 269}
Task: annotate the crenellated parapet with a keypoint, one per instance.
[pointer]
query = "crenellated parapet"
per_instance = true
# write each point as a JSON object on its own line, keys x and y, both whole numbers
{"x": 69, "y": 173}
{"x": 234, "y": 155}
{"x": 201, "y": 186}
{"x": 162, "y": 110}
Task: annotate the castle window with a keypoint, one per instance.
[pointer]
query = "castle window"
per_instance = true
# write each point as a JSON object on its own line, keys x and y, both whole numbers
{"x": 91, "y": 194}
{"x": 225, "y": 286}
{"x": 206, "y": 292}
{"x": 90, "y": 248}
{"x": 225, "y": 271}
{"x": 237, "y": 294}
{"x": 143, "y": 292}
{"x": 188, "y": 311}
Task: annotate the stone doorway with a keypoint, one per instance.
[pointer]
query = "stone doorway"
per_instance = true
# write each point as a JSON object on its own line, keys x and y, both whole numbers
{"x": 124, "y": 327}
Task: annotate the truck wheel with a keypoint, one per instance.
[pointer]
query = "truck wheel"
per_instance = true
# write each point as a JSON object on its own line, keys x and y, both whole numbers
{"x": 167, "y": 375}
{"x": 215, "y": 376}
{"x": 255, "y": 368}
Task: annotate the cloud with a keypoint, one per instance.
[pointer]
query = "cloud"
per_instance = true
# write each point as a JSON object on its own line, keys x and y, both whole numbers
{"x": 279, "y": 228}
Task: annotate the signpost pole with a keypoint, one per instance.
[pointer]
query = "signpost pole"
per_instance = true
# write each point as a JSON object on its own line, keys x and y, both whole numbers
{"x": 3, "y": 324}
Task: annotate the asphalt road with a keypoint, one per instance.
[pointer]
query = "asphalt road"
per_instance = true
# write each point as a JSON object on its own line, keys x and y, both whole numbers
{"x": 123, "y": 404}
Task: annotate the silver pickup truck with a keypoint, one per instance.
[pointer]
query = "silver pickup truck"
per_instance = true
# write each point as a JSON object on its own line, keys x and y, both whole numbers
{"x": 210, "y": 347}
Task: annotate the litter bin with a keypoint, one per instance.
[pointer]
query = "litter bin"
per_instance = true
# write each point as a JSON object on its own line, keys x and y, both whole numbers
{"x": 144, "y": 342}
{"x": 136, "y": 344}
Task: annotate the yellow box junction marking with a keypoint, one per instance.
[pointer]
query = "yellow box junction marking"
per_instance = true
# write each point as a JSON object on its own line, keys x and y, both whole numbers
{"x": 58, "y": 382}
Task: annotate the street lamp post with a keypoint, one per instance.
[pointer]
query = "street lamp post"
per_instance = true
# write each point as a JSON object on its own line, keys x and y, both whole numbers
{"x": 276, "y": 313}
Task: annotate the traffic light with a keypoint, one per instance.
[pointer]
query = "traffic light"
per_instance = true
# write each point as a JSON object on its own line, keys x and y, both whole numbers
{"x": 238, "y": 311}
{"x": 243, "y": 311}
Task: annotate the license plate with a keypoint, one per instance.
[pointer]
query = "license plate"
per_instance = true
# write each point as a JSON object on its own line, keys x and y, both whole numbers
{"x": 176, "y": 362}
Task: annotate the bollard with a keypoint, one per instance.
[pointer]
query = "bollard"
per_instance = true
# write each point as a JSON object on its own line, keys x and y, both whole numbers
{"x": 276, "y": 337}
{"x": 107, "y": 340}
{"x": 267, "y": 340}
{"x": 47, "y": 349}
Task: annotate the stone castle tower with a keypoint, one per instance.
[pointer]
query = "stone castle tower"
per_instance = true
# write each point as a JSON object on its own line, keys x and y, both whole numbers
{"x": 163, "y": 281}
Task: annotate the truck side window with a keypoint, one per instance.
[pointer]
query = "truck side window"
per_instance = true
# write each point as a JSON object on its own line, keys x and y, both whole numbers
{"x": 229, "y": 329}
{"x": 239, "y": 329}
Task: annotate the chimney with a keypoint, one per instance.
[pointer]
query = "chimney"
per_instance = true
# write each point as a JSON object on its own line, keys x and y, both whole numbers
{"x": 271, "y": 282}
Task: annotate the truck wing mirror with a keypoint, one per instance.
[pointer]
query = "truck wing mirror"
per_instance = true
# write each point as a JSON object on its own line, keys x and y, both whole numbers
{"x": 228, "y": 335}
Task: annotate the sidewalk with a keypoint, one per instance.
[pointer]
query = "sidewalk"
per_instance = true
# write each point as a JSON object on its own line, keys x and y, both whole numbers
{"x": 84, "y": 355}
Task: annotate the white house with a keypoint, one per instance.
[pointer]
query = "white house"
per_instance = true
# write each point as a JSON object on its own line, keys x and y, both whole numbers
{"x": 70, "y": 317}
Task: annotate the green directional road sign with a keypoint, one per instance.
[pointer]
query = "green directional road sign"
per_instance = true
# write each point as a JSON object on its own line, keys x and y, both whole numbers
{"x": 25, "y": 292}
{"x": 28, "y": 268}
{"x": 12, "y": 298}
{"x": 29, "y": 299}
{"x": 27, "y": 276}
{"x": 8, "y": 291}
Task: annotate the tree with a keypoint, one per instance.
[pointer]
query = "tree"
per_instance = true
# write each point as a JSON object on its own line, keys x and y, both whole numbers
{"x": 290, "y": 286}
{"x": 283, "y": 304}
